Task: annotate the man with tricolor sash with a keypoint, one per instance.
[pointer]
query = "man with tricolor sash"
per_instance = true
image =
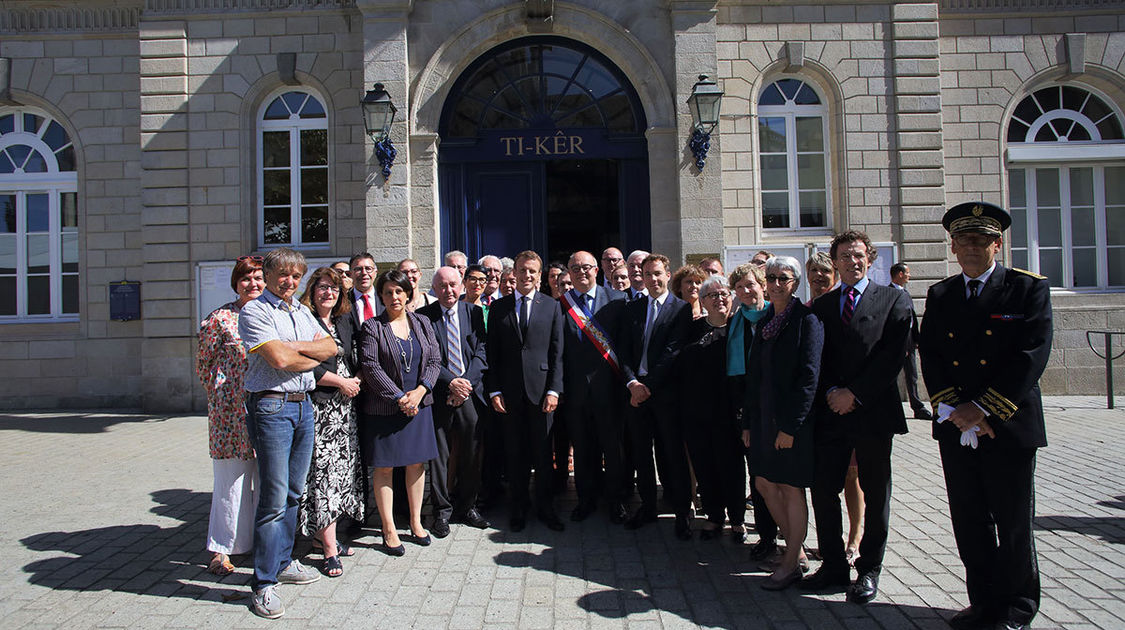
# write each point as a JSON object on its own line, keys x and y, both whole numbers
{"x": 592, "y": 382}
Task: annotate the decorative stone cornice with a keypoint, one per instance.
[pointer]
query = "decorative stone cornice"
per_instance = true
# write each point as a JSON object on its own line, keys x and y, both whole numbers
{"x": 1025, "y": 6}
{"x": 55, "y": 19}
{"x": 213, "y": 6}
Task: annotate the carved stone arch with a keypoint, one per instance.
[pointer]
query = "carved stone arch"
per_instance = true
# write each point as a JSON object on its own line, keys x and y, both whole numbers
{"x": 820, "y": 77}
{"x": 28, "y": 99}
{"x": 571, "y": 21}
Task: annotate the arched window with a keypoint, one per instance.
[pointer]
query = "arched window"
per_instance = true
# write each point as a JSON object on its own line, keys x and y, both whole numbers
{"x": 1066, "y": 184}
{"x": 39, "y": 235}
{"x": 793, "y": 157}
{"x": 293, "y": 176}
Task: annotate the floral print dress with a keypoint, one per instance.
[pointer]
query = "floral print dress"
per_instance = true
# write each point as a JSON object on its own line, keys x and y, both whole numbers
{"x": 221, "y": 364}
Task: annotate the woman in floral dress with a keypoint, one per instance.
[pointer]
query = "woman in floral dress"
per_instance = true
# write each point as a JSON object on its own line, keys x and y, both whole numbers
{"x": 221, "y": 363}
{"x": 335, "y": 482}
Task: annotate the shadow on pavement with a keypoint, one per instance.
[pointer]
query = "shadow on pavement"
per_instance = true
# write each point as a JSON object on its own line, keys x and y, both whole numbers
{"x": 703, "y": 585}
{"x": 1110, "y": 529}
{"x": 140, "y": 559}
{"x": 70, "y": 422}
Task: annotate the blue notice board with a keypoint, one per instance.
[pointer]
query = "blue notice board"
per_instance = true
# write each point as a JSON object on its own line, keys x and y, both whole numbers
{"x": 124, "y": 300}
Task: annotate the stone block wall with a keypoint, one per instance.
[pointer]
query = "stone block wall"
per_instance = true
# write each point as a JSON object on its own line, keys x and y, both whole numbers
{"x": 86, "y": 78}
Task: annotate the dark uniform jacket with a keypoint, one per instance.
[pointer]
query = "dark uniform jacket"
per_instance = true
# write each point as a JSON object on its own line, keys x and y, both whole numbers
{"x": 991, "y": 352}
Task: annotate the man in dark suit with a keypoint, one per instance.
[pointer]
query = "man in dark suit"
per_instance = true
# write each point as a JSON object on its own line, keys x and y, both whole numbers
{"x": 900, "y": 275}
{"x": 591, "y": 315}
{"x": 986, "y": 338}
{"x": 858, "y": 409}
{"x": 524, "y": 381}
{"x": 365, "y": 304}
{"x": 653, "y": 331}
{"x": 459, "y": 329}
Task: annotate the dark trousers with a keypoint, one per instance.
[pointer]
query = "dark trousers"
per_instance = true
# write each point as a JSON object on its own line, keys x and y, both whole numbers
{"x": 560, "y": 442}
{"x": 527, "y": 438}
{"x": 654, "y": 427}
{"x": 455, "y": 473}
{"x": 910, "y": 375}
{"x": 833, "y": 455}
{"x": 992, "y": 504}
{"x": 596, "y": 431}
{"x": 494, "y": 461}
{"x": 717, "y": 456}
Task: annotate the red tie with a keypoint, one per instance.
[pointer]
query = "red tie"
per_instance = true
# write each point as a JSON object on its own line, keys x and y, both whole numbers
{"x": 367, "y": 312}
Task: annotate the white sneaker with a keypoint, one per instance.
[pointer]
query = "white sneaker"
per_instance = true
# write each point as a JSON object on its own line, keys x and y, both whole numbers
{"x": 267, "y": 603}
{"x": 296, "y": 573}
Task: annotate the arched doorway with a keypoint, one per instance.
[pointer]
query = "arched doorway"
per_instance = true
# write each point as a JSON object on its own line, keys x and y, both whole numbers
{"x": 543, "y": 147}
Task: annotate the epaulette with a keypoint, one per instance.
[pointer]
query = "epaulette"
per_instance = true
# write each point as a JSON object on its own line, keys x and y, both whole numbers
{"x": 1028, "y": 273}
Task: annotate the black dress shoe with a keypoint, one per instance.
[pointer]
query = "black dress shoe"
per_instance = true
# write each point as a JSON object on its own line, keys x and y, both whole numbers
{"x": 865, "y": 588}
{"x": 518, "y": 521}
{"x": 583, "y": 511}
{"x": 971, "y": 618}
{"x": 1010, "y": 625}
{"x": 763, "y": 549}
{"x": 398, "y": 551}
{"x": 440, "y": 528}
{"x": 923, "y": 414}
{"x": 710, "y": 534}
{"x": 472, "y": 518}
{"x": 827, "y": 578}
{"x": 683, "y": 528}
{"x": 640, "y": 518}
{"x": 617, "y": 513}
{"x": 738, "y": 534}
{"x": 551, "y": 520}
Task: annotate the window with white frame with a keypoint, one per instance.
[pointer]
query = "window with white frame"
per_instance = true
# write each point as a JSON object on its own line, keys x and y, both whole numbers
{"x": 39, "y": 234}
{"x": 793, "y": 157}
{"x": 1066, "y": 185}
{"x": 293, "y": 178}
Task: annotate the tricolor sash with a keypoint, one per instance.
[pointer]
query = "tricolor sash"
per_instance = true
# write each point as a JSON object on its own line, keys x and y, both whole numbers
{"x": 578, "y": 311}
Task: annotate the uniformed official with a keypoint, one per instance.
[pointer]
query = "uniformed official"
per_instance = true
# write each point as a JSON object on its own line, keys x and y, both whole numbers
{"x": 985, "y": 339}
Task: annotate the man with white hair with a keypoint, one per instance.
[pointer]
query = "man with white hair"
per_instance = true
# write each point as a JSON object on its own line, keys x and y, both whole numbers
{"x": 458, "y": 260}
{"x": 635, "y": 264}
{"x": 493, "y": 267}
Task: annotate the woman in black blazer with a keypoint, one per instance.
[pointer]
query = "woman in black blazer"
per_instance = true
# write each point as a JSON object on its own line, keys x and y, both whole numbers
{"x": 335, "y": 481}
{"x": 782, "y": 375}
{"x": 401, "y": 360}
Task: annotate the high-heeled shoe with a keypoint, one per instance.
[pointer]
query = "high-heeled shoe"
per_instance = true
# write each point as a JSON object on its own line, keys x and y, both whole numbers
{"x": 398, "y": 551}
{"x": 421, "y": 541}
{"x": 782, "y": 583}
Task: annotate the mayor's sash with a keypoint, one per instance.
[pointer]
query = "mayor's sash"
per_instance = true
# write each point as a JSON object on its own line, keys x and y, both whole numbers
{"x": 577, "y": 310}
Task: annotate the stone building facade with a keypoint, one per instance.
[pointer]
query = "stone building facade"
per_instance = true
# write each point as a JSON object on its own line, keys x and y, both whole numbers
{"x": 149, "y": 140}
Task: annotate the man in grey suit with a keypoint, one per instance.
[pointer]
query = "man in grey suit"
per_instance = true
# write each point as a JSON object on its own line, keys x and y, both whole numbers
{"x": 591, "y": 375}
{"x": 458, "y": 402}
{"x": 866, "y": 326}
{"x": 524, "y": 380}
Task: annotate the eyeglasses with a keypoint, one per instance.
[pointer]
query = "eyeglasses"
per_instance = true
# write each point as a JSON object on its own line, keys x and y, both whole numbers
{"x": 612, "y": 259}
{"x": 328, "y": 288}
{"x": 256, "y": 259}
{"x": 722, "y": 295}
{"x": 475, "y": 279}
{"x": 780, "y": 279}
{"x": 370, "y": 270}
{"x": 583, "y": 268}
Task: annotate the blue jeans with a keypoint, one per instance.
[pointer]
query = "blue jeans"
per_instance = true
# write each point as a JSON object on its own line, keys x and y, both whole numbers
{"x": 282, "y": 435}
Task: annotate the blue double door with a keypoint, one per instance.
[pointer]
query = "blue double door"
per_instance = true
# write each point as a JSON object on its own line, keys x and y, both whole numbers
{"x": 554, "y": 207}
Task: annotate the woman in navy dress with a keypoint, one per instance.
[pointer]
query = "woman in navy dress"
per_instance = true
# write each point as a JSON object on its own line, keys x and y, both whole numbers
{"x": 400, "y": 360}
{"x": 781, "y": 382}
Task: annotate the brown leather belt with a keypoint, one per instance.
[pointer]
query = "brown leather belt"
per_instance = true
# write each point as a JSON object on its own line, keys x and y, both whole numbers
{"x": 287, "y": 397}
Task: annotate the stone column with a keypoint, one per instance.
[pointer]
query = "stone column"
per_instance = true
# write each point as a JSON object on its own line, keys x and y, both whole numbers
{"x": 169, "y": 326}
{"x": 918, "y": 137}
{"x": 388, "y": 219}
{"x": 700, "y": 220}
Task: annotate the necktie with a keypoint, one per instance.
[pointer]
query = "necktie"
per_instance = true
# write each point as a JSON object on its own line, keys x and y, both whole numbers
{"x": 849, "y": 304}
{"x": 974, "y": 289}
{"x": 488, "y": 300}
{"x": 590, "y": 302}
{"x": 453, "y": 343}
{"x": 523, "y": 315}
{"x": 649, "y": 325}
{"x": 368, "y": 312}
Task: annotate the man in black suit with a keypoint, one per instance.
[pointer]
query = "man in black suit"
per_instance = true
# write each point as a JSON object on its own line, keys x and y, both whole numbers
{"x": 858, "y": 409}
{"x": 591, "y": 375}
{"x": 524, "y": 380}
{"x": 986, "y": 338}
{"x": 365, "y": 304}
{"x": 653, "y": 331}
{"x": 900, "y": 275}
{"x": 459, "y": 329}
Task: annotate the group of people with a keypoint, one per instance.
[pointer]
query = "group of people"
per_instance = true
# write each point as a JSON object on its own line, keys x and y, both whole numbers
{"x": 494, "y": 371}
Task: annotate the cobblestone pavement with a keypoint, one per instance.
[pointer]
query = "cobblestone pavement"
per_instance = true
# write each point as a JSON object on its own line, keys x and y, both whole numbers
{"x": 104, "y": 517}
